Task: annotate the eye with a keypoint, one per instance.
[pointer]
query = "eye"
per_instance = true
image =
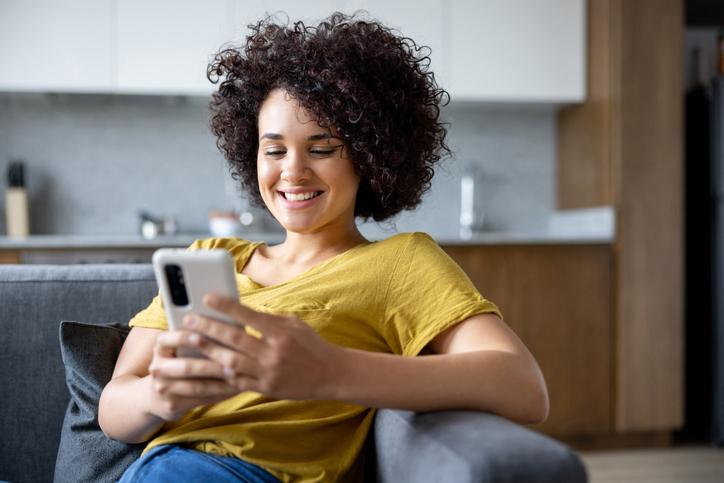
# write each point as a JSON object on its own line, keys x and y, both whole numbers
{"x": 322, "y": 152}
{"x": 274, "y": 152}
{"x": 327, "y": 151}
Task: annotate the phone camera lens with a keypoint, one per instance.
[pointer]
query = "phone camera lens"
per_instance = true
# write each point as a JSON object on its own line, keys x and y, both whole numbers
{"x": 176, "y": 284}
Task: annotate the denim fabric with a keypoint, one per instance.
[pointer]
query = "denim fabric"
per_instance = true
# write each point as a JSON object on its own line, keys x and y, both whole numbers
{"x": 175, "y": 464}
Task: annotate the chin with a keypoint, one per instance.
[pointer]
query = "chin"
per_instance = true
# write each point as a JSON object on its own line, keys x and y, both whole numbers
{"x": 297, "y": 226}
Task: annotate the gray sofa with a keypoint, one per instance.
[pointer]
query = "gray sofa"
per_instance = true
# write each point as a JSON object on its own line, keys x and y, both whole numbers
{"x": 450, "y": 446}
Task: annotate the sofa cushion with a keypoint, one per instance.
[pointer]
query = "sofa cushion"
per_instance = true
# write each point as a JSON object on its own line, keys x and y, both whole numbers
{"x": 33, "y": 301}
{"x": 89, "y": 354}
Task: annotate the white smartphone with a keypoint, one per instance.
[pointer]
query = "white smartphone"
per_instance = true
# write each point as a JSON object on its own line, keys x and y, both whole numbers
{"x": 184, "y": 277}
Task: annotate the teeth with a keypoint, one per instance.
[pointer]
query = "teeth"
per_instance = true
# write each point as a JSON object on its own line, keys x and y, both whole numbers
{"x": 300, "y": 196}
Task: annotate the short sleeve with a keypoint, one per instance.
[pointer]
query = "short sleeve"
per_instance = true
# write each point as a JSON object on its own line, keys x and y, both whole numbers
{"x": 154, "y": 316}
{"x": 428, "y": 293}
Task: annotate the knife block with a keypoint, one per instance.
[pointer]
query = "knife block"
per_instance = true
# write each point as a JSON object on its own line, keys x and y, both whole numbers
{"x": 16, "y": 211}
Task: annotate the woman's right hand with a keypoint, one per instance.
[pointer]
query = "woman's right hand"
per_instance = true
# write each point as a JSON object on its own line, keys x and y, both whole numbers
{"x": 178, "y": 384}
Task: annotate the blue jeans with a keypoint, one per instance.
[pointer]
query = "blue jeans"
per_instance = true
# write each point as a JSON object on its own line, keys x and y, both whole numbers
{"x": 171, "y": 463}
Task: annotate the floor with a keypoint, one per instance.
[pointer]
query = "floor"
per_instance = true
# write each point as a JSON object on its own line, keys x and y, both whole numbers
{"x": 687, "y": 464}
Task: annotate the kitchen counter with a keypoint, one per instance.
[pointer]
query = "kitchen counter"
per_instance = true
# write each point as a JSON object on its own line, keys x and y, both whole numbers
{"x": 45, "y": 242}
{"x": 502, "y": 238}
{"x": 587, "y": 226}
{"x": 63, "y": 242}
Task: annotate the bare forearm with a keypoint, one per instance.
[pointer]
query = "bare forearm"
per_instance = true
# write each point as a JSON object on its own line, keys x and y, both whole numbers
{"x": 123, "y": 412}
{"x": 499, "y": 382}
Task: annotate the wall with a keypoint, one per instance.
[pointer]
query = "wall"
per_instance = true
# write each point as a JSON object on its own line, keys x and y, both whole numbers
{"x": 94, "y": 161}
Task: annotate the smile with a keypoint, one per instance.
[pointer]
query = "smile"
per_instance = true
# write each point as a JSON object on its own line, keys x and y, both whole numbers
{"x": 296, "y": 201}
{"x": 300, "y": 196}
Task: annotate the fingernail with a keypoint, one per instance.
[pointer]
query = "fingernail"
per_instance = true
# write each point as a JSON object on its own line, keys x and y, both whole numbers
{"x": 229, "y": 372}
{"x": 190, "y": 321}
{"x": 195, "y": 339}
{"x": 211, "y": 300}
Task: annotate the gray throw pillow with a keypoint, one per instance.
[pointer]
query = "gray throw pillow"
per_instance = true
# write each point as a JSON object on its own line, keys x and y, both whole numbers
{"x": 85, "y": 454}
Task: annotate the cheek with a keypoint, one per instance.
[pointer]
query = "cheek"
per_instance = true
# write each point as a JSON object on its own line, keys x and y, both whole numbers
{"x": 353, "y": 181}
{"x": 349, "y": 184}
{"x": 348, "y": 178}
{"x": 265, "y": 175}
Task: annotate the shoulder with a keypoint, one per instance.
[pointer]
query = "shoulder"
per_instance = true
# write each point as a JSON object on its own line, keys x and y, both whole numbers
{"x": 391, "y": 255}
{"x": 412, "y": 245}
{"x": 412, "y": 249}
{"x": 409, "y": 241}
{"x": 420, "y": 255}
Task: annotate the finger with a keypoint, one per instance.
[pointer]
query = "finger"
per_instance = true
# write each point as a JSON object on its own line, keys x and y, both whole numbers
{"x": 245, "y": 383}
{"x": 168, "y": 342}
{"x": 187, "y": 367}
{"x": 230, "y": 335}
{"x": 257, "y": 320}
{"x": 163, "y": 351}
{"x": 233, "y": 363}
{"x": 174, "y": 339}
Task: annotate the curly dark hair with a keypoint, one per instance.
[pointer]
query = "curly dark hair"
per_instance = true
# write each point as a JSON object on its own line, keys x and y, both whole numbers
{"x": 358, "y": 76}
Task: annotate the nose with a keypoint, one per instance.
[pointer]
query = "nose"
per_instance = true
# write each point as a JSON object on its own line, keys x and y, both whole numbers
{"x": 294, "y": 167}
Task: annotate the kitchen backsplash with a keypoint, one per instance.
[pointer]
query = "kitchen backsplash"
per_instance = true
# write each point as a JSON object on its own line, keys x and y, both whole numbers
{"x": 94, "y": 161}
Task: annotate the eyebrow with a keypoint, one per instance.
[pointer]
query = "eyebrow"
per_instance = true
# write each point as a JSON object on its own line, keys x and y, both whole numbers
{"x": 313, "y": 137}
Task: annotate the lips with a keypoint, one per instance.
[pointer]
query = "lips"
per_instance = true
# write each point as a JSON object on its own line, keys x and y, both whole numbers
{"x": 300, "y": 199}
{"x": 302, "y": 196}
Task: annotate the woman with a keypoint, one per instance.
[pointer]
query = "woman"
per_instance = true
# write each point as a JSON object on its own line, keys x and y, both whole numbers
{"x": 321, "y": 125}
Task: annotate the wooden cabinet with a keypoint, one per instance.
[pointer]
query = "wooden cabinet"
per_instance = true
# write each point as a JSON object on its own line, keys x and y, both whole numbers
{"x": 558, "y": 299}
{"x": 623, "y": 147}
{"x": 9, "y": 257}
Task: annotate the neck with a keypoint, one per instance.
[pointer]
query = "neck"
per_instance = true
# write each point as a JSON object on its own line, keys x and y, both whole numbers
{"x": 303, "y": 248}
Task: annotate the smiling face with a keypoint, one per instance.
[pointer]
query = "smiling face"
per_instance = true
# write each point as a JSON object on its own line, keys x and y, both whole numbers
{"x": 304, "y": 177}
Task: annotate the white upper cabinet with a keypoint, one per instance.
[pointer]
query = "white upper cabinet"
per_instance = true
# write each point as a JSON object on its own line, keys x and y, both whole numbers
{"x": 481, "y": 50}
{"x": 424, "y": 21}
{"x": 518, "y": 50}
{"x": 164, "y": 46}
{"x": 251, "y": 11}
{"x": 48, "y": 45}
{"x": 421, "y": 20}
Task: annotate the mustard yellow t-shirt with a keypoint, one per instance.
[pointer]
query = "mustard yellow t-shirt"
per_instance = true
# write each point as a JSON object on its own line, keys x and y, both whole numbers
{"x": 390, "y": 296}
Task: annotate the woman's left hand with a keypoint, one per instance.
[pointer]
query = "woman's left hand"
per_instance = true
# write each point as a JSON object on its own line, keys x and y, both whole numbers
{"x": 289, "y": 361}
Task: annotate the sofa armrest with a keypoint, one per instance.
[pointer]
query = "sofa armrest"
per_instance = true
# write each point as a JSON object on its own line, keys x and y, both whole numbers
{"x": 466, "y": 446}
{"x": 33, "y": 301}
